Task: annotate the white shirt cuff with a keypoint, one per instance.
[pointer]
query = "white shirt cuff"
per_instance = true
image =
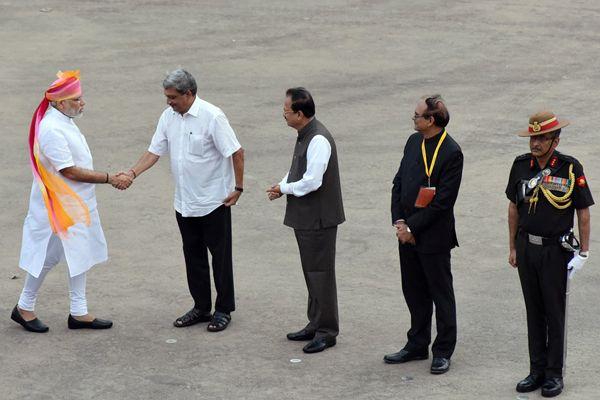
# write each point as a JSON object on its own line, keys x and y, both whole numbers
{"x": 285, "y": 188}
{"x": 62, "y": 166}
{"x": 230, "y": 152}
{"x": 155, "y": 151}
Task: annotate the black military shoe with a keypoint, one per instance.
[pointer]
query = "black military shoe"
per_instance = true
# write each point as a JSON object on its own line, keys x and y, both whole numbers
{"x": 404, "y": 356}
{"x": 552, "y": 387}
{"x": 440, "y": 365}
{"x": 532, "y": 382}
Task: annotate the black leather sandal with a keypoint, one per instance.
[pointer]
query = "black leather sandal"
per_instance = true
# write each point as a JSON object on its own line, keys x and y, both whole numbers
{"x": 219, "y": 322}
{"x": 192, "y": 317}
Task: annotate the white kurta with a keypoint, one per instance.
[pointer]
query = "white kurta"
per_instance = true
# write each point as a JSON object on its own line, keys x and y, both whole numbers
{"x": 62, "y": 145}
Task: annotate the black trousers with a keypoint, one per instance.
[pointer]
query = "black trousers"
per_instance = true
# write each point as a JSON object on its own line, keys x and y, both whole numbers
{"x": 427, "y": 280}
{"x": 317, "y": 254}
{"x": 543, "y": 274}
{"x": 212, "y": 233}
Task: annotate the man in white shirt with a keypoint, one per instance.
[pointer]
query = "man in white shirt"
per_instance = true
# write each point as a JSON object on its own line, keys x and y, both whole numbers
{"x": 314, "y": 210}
{"x": 207, "y": 163}
{"x": 62, "y": 222}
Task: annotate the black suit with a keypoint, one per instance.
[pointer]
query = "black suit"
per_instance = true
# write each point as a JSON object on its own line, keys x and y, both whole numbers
{"x": 425, "y": 267}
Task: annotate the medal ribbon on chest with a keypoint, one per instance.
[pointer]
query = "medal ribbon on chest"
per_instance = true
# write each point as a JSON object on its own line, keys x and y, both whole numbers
{"x": 558, "y": 202}
{"x": 556, "y": 183}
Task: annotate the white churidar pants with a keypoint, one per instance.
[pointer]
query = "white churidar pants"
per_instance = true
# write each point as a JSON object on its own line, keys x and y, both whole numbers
{"x": 54, "y": 255}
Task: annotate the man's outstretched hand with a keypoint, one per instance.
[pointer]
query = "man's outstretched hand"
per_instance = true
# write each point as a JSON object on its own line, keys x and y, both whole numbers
{"x": 274, "y": 192}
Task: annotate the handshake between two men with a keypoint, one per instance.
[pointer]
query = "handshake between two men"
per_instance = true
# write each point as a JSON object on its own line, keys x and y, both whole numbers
{"x": 121, "y": 180}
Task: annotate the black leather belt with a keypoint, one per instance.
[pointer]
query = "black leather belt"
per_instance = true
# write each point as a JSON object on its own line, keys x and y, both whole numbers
{"x": 540, "y": 240}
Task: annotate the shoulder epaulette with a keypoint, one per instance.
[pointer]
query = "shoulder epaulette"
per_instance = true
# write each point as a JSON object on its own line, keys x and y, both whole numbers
{"x": 523, "y": 157}
{"x": 564, "y": 157}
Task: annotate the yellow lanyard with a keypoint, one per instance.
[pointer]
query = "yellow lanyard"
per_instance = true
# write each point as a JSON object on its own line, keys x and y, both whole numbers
{"x": 429, "y": 169}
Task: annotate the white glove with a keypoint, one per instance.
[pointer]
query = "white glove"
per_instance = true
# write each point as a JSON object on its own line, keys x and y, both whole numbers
{"x": 576, "y": 263}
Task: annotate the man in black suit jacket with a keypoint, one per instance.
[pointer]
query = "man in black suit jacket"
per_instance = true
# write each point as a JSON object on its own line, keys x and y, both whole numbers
{"x": 423, "y": 196}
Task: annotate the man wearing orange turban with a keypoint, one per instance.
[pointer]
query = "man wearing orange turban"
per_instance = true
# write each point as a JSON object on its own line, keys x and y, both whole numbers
{"x": 62, "y": 222}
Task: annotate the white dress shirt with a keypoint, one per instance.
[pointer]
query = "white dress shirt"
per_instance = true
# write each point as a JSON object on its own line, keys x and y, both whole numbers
{"x": 62, "y": 145}
{"x": 200, "y": 144}
{"x": 317, "y": 159}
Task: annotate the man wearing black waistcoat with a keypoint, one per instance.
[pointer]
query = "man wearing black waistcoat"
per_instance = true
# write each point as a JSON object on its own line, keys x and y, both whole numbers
{"x": 314, "y": 210}
{"x": 423, "y": 196}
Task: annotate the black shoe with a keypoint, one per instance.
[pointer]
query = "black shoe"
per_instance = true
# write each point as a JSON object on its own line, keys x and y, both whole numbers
{"x": 404, "y": 355}
{"x": 552, "y": 387}
{"x": 302, "y": 334}
{"x": 531, "y": 383}
{"x": 440, "y": 365}
{"x": 192, "y": 317}
{"x": 35, "y": 325}
{"x": 97, "y": 323}
{"x": 319, "y": 344}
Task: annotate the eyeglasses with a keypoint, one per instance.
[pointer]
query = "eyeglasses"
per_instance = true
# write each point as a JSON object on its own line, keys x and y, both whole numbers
{"x": 286, "y": 112}
{"x": 77, "y": 100}
{"x": 417, "y": 116}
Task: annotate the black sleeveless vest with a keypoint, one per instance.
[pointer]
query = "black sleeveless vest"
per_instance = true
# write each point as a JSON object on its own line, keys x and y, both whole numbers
{"x": 322, "y": 208}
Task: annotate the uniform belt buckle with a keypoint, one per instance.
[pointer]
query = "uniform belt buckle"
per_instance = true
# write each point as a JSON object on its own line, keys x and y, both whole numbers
{"x": 533, "y": 239}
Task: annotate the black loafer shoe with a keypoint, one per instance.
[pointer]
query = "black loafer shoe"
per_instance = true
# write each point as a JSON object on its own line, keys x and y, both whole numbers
{"x": 440, "y": 365}
{"x": 404, "y": 356}
{"x": 319, "y": 344}
{"x": 35, "y": 325}
{"x": 302, "y": 334}
{"x": 97, "y": 323}
{"x": 192, "y": 317}
{"x": 552, "y": 387}
{"x": 532, "y": 382}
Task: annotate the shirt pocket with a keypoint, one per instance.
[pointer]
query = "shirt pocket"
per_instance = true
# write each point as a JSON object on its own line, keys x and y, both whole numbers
{"x": 196, "y": 145}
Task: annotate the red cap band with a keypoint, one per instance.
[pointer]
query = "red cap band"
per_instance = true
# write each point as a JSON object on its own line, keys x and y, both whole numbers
{"x": 543, "y": 126}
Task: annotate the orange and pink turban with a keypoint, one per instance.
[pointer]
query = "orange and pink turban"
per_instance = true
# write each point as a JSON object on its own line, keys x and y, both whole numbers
{"x": 65, "y": 208}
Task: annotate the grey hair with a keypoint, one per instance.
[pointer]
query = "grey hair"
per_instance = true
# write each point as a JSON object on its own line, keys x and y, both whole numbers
{"x": 180, "y": 80}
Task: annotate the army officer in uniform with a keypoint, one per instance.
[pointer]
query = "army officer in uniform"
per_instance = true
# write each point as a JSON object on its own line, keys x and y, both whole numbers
{"x": 545, "y": 190}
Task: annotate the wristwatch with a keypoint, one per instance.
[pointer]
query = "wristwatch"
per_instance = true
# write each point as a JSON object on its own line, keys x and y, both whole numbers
{"x": 239, "y": 189}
